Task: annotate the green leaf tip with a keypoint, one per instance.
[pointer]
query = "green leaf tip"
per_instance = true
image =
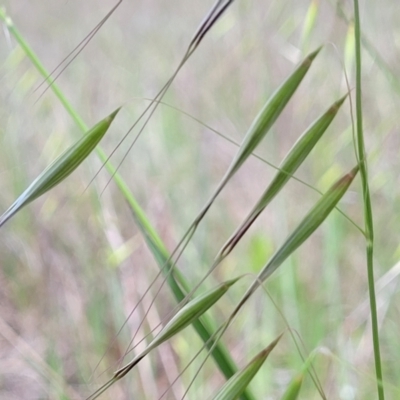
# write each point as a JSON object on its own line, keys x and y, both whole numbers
{"x": 345, "y": 181}
{"x": 354, "y": 172}
{"x": 339, "y": 103}
{"x": 232, "y": 281}
{"x": 111, "y": 117}
{"x": 314, "y": 54}
{"x": 236, "y": 385}
{"x": 268, "y": 349}
{"x": 61, "y": 167}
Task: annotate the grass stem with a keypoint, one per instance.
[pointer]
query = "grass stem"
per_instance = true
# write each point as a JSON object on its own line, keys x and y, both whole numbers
{"x": 369, "y": 226}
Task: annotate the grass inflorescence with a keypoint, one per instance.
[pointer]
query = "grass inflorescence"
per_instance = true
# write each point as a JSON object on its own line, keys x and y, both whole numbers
{"x": 90, "y": 279}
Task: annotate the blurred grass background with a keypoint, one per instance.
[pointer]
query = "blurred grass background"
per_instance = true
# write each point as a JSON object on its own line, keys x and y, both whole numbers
{"x": 73, "y": 264}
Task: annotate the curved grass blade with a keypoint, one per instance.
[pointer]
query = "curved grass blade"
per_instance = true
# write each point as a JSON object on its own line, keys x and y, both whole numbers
{"x": 176, "y": 280}
{"x": 300, "y": 150}
{"x": 238, "y": 383}
{"x": 307, "y": 226}
{"x": 186, "y": 316}
{"x": 61, "y": 167}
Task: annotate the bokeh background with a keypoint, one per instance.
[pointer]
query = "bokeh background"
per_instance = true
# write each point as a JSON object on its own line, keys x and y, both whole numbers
{"x": 73, "y": 263}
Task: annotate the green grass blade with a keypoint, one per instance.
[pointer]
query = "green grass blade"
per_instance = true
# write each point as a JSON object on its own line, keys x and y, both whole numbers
{"x": 61, "y": 167}
{"x": 307, "y": 226}
{"x": 176, "y": 281}
{"x": 287, "y": 168}
{"x": 238, "y": 383}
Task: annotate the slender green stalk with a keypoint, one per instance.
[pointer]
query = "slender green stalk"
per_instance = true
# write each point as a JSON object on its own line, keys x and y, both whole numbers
{"x": 42, "y": 70}
{"x": 369, "y": 226}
